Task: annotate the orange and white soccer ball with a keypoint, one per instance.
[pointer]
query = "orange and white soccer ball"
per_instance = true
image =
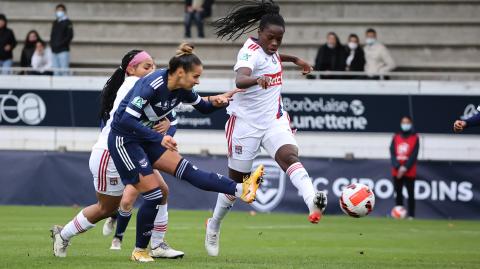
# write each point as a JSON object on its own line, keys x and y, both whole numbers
{"x": 398, "y": 212}
{"x": 357, "y": 200}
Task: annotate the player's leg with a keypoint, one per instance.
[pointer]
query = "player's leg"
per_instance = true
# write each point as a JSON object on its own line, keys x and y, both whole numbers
{"x": 174, "y": 164}
{"x": 281, "y": 145}
{"x": 129, "y": 197}
{"x": 410, "y": 184}
{"x": 110, "y": 224}
{"x": 243, "y": 143}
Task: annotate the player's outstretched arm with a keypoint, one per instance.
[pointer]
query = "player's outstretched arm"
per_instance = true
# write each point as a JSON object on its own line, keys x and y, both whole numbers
{"x": 306, "y": 67}
{"x": 460, "y": 125}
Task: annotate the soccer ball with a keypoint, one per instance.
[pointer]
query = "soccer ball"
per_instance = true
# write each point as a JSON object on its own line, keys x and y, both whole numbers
{"x": 398, "y": 212}
{"x": 357, "y": 200}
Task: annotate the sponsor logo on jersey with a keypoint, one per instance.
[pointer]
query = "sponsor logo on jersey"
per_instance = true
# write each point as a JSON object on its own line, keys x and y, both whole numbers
{"x": 276, "y": 79}
{"x": 139, "y": 102}
{"x": 272, "y": 190}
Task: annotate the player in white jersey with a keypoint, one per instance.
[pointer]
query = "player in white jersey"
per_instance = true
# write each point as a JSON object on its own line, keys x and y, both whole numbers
{"x": 108, "y": 186}
{"x": 257, "y": 118}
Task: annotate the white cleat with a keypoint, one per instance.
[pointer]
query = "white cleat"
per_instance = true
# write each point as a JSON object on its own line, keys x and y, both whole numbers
{"x": 212, "y": 241}
{"x": 116, "y": 244}
{"x": 109, "y": 226}
{"x": 166, "y": 252}
{"x": 59, "y": 244}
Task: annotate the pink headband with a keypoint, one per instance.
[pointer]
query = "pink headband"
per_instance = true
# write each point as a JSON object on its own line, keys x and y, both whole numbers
{"x": 140, "y": 57}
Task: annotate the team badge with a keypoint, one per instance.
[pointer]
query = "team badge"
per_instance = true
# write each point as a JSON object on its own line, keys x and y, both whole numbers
{"x": 238, "y": 150}
{"x": 114, "y": 181}
{"x": 272, "y": 190}
{"x": 143, "y": 163}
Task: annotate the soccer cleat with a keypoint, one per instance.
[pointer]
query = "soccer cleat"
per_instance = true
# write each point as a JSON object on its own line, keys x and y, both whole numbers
{"x": 165, "y": 251}
{"x": 116, "y": 244}
{"x": 109, "y": 226}
{"x": 59, "y": 244}
{"x": 320, "y": 203}
{"x": 141, "y": 256}
{"x": 251, "y": 184}
{"x": 212, "y": 241}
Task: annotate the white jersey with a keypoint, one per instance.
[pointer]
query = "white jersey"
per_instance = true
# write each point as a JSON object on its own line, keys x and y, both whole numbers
{"x": 257, "y": 106}
{"x": 102, "y": 141}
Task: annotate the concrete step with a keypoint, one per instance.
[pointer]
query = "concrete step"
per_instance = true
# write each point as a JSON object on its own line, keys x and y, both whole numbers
{"x": 390, "y": 31}
{"x": 290, "y": 8}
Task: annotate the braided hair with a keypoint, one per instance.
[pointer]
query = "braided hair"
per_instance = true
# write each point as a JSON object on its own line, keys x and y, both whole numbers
{"x": 110, "y": 89}
{"x": 244, "y": 16}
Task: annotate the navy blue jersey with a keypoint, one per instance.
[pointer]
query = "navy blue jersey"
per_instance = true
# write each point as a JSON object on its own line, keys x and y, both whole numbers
{"x": 148, "y": 102}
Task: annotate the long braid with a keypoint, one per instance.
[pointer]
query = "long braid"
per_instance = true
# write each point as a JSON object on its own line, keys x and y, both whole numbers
{"x": 110, "y": 89}
{"x": 244, "y": 16}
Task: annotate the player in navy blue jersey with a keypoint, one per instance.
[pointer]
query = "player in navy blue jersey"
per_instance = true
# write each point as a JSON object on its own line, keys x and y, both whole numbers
{"x": 108, "y": 186}
{"x": 136, "y": 149}
{"x": 460, "y": 125}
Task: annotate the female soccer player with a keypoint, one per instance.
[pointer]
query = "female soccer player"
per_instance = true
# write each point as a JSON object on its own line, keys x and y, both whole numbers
{"x": 136, "y": 149}
{"x": 257, "y": 117}
{"x": 108, "y": 186}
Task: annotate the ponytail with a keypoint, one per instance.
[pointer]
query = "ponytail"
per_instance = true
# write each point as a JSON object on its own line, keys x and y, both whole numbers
{"x": 110, "y": 89}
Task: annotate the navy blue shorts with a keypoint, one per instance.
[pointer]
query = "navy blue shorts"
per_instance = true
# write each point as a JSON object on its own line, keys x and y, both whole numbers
{"x": 132, "y": 158}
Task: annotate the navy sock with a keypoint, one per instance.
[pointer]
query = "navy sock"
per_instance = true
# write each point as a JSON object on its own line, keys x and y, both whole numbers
{"x": 123, "y": 218}
{"x": 207, "y": 181}
{"x": 146, "y": 216}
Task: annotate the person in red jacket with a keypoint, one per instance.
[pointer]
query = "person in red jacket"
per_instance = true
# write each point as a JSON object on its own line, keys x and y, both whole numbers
{"x": 403, "y": 155}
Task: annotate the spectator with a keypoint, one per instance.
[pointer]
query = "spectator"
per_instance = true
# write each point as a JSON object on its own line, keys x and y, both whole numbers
{"x": 331, "y": 56}
{"x": 193, "y": 12}
{"x": 42, "y": 59}
{"x": 7, "y": 44}
{"x": 207, "y": 9}
{"x": 356, "y": 57}
{"x": 378, "y": 59}
{"x": 403, "y": 155}
{"x": 29, "y": 49}
{"x": 60, "y": 39}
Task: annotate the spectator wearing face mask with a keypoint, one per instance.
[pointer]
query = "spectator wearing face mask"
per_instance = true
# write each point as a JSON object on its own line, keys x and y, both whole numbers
{"x": 377, "y": 56}
{"x": 403, "y": 156}
{"x": 331, "y": 56}
{"x": 60, "y": 39}
{"x": 28, "y": 49}
{"x": 7, "y": 44}
{"x": 355, "y": 57}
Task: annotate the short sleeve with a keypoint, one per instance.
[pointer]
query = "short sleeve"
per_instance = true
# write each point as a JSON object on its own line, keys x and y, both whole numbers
{"x": 140, "y": 98}
{"x": 246, "y": 58}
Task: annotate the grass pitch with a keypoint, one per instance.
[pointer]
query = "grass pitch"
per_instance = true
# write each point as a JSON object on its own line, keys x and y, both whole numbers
{"x": 262, "y": 241}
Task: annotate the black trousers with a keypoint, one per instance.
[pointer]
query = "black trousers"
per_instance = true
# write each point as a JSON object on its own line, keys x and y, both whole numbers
{"x": 410, "y": 184}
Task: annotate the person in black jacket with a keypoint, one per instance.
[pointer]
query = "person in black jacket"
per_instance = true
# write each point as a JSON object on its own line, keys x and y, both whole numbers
{"x": 28, "y": 49}
{"x": 355, "y": 61}
{"x": 331, "y": 56}
{"x": 7, "y": 44}
{"x": 60, "y": 39}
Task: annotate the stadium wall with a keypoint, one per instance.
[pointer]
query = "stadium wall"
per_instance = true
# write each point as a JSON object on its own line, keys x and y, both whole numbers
{"x": 59, "y": 113}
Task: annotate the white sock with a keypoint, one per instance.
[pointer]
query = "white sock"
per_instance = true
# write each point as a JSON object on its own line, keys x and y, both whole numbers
{"x": 77, "y": 225}
{"x": 159, "y": 226}
{"x": 224, "y": 204}
{"x": 301, "y": 180}
{"x": 239, "y": 190}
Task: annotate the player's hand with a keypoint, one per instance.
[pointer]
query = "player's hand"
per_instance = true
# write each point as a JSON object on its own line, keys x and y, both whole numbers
{"x": 169, "y": 143}
{"x": 459, "y": 126}
{"x": 229, "y": 95}
{"x": 401, "y": 171}
{"x": 306, "y": 67}
{"x": 7, "y": 47}
{"x": 163, "y": 126}
{"x": 264, "y": 81}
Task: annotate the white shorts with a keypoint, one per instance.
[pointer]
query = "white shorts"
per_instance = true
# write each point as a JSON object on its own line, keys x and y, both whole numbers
{"x": 244, "y": 141}
{"x": 105, "y": 176}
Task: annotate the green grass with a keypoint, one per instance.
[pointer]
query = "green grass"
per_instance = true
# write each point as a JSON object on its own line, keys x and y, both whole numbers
{"x": 262, "y": 241}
